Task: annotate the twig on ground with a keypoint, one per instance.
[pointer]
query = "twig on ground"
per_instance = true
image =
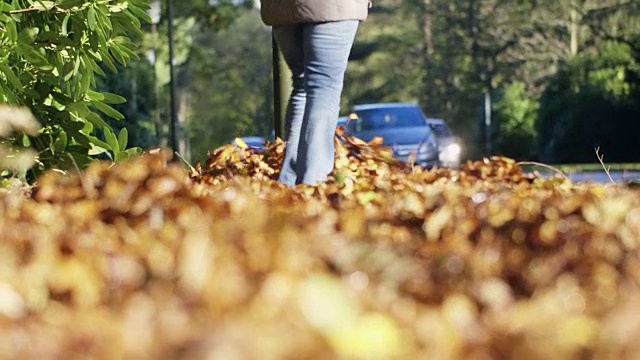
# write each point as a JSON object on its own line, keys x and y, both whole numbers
{"x": 186, "y": 163}
{"x": 535, "y": 163}
{"x": 601, "y": 159}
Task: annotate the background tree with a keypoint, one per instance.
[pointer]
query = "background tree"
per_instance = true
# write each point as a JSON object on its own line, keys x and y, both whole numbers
{"x": 503, "y": 49}
{"x": 230, "y": 85}
{"x": 445, "y": 55}
{"x": 592, "y": 102}
{"x": 391, "y": 71}
{"x": 192, "y": 19}
{"x": 133, "y": 83}
{"x": 515, "y": 116}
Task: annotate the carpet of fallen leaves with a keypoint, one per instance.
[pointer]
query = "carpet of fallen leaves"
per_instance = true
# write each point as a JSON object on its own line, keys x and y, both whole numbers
{"x": 147, "y": 260}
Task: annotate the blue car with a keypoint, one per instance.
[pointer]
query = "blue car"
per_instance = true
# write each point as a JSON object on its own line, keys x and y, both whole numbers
{"x": 253, "y": 142}
{"x": 402, "y": 126}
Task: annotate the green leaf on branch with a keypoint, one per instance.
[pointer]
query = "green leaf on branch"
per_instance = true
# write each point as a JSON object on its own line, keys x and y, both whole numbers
{"x": 118, "y": 54}
{"x": 108, "y": 60}
{"x": 68, "y": 4}
{"x": 91, "y": 17}
{"x": 65, "y": 22}
{"x": 32, "y": 55}
{"x": 123, "y": 139}
{"x": 127, "y": 154}
{"x": 10, "y": 75}
{"x": 96, "y": 120}
{"x": 90, "y": 63}
{"x": 104, "y": 18}
{"x": 95, "y": 95}
{"x": 110, "y": 98}
{"x": 112, "y": 140}
{"x": 61, "y": 98}
{"x": 140, "y": 13}
{"x": 132, "y": 19}
{"x": 28, "y": 35}
{"x": 107, "y": 110}
{"x": 12, "y": 31}
{"x": 85, "y": 82}
{"x": 60, "y": 143}
{"x": 98, "y": 145}
{"x": 43, "y": 5}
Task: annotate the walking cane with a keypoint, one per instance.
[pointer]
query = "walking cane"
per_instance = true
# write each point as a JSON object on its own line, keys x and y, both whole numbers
{"x": 281, "y": 90}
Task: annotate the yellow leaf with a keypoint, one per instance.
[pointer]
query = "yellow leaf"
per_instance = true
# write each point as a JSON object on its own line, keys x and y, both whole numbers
{"x": 376, "y": 141}
{"x": 241, "y": 143}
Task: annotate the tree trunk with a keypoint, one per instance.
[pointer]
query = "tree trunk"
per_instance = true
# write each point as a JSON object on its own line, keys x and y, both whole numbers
{"x": 183, "y": 110}
{"x": 574, "y": 28}
{"x": 425, "y": 19}
{"x": 474, "y": 31}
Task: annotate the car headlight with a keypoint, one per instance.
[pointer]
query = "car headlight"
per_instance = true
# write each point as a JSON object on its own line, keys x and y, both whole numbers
{"x": 453, "y": 150}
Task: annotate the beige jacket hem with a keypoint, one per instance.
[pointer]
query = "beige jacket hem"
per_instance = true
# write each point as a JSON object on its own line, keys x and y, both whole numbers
{"x": 287, "y": 12}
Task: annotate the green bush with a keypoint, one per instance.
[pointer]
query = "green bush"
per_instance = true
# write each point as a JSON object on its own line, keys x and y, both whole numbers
{"x": 593, "y": 101}
{"x": 50, "y": 55}
{"x": 516, "y": 113}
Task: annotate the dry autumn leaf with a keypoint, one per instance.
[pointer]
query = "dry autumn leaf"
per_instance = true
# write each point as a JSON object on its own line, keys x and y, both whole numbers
{"x": 384, "y": 260}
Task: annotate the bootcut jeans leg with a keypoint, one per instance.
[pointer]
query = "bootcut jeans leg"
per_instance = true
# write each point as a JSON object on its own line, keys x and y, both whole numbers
{"x": 317, "y": 54}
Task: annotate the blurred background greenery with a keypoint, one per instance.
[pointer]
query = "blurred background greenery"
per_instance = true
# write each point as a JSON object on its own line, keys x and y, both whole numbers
{"x": 534, "y": 80}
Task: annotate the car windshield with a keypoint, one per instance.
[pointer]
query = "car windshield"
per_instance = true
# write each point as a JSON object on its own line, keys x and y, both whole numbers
{"x": 389, "y": 118}
{"x": 440, "y": 129}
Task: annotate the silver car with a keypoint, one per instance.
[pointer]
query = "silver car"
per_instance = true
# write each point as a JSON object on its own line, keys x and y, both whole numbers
{"x": 448, "y": 144}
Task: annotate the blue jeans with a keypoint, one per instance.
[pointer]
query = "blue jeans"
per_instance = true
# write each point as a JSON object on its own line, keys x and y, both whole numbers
{"x": 317, "y": 54}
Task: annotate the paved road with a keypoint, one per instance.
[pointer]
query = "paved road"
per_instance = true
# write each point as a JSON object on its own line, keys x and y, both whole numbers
{"x": 602, "y": 178}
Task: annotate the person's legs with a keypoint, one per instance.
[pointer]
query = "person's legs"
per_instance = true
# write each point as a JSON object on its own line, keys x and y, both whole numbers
{"x": 326, "y": 53}
{"x": 289, "y": 39}
{"x": 317, "y": 54}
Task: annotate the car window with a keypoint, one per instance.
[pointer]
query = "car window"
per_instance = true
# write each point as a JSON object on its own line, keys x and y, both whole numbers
{"x": 388, "y": 118}
{"x": 441, "y": 130}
